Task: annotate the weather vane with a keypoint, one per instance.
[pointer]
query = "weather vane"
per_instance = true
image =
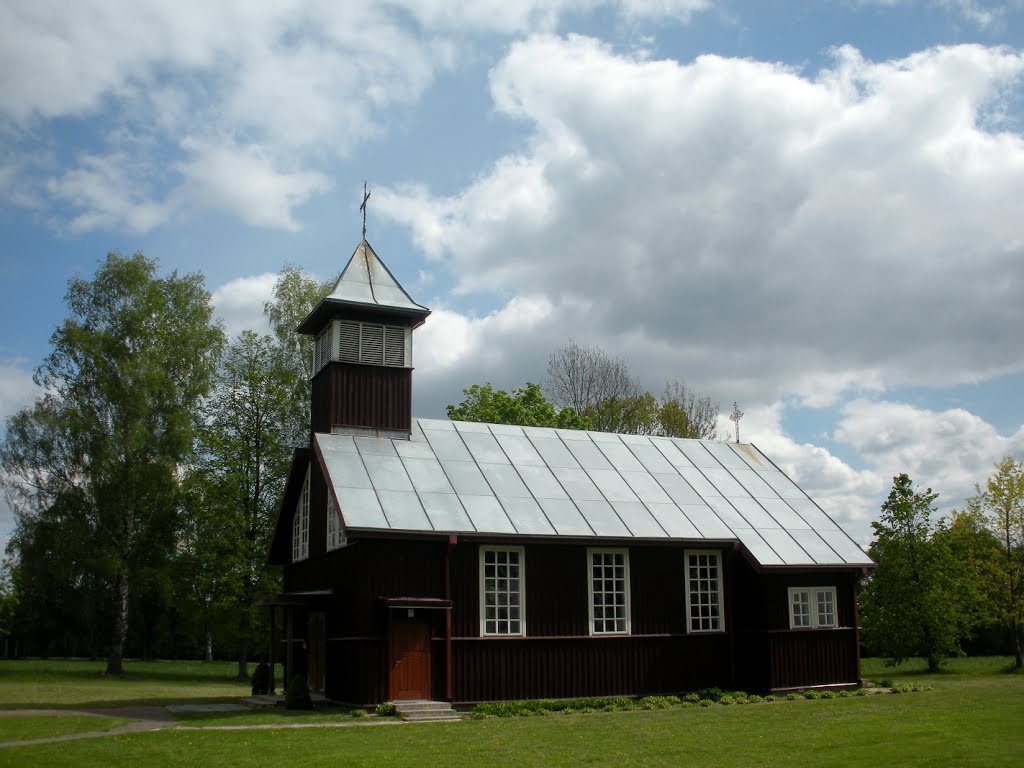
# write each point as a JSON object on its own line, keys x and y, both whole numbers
{"x": 366, "y": 196}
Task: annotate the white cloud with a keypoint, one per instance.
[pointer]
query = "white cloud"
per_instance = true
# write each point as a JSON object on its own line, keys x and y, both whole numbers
{"x": 948, "y": 450}
{"x": 239, "y": 303}
{"x": 267, "y": 91}
{"x": 17, "y": 390}
{"x": 760, "y": 232}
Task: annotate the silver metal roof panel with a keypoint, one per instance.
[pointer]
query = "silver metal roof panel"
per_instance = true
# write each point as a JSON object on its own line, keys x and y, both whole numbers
{"x": 461, "y": 477}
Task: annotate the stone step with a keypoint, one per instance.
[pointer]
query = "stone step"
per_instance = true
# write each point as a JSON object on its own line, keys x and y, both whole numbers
{"x": 420, "y": 704}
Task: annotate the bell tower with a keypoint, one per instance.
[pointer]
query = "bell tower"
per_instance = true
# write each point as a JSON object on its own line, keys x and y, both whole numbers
{"x": 362, "y": 361}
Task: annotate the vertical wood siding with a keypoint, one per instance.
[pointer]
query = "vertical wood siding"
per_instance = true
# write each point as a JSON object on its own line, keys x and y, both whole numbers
{"x": 344, "y": 394}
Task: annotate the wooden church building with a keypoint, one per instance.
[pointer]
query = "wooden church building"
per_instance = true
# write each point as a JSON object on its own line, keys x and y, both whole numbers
{"x": 467, "y": 562}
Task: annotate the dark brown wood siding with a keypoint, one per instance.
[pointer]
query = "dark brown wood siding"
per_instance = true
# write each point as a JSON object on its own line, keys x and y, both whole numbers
{"x": 558, "y": 658}
{"x": 349, "y": 395}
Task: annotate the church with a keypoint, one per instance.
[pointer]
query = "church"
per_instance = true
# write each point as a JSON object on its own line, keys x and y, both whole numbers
{"x": 465, "y": 562}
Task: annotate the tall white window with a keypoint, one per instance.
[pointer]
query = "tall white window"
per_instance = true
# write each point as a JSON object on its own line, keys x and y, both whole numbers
{"x": 704, "y": 604}
{"x": 812, "y": 607}
{"x": 335, "y": 539}
{"x": 501, "y": 591}
{"x": 608, "y": 588}
{"x": 300, "y": 524}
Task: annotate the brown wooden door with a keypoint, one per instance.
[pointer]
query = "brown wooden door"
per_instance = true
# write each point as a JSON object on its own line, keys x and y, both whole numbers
{"x": 316, "y": 657}
{"x": 410, "y": 660}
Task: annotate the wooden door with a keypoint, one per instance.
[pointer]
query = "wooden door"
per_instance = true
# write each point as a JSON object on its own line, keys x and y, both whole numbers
{"x": 316, "y": 656}
{"x": 410, "y": 660}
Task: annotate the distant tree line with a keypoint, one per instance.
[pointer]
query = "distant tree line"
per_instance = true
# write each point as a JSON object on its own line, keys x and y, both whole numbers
{"x": 144, "y": 479}
{"x": 946, "y": 585}
{"x": 585, "y": 388}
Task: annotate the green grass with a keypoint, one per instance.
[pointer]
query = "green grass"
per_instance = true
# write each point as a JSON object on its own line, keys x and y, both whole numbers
{"x": 971, "y": 718}
{"x": 28, "y": 727}
{"x": 268, "y": 717}
{"x": 34, "y": 684}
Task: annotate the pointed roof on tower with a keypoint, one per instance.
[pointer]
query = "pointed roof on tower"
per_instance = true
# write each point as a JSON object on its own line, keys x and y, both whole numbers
{"x": 365, "y": 284}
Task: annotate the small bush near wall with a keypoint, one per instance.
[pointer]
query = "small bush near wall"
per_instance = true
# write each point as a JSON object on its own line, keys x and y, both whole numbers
{"x": 297, "y": 695}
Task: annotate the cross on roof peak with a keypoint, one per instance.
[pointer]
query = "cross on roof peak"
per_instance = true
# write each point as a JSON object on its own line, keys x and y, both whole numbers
{"x": 366, "y": 196}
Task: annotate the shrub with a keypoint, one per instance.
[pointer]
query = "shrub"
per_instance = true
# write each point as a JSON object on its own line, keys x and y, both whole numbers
{"x": 726, "y": 701}
{"x": 771, "y": 697}
{"x": 793, "y": 696}
{"x": 706, "y": 703}
{"x": 885, "y": 683}
{"x": 813, "y": 695}
{"x": 844, "y": 694}
{"x": 754, "y": 699}
{"x": 261, "y": 679}
{"x": 828, "y": 694}
{"x": 862, "y": 692}
{"x": 358, "y": 713}
{"x": 297, "y": 695}
{"x": 385, "y": 709}
{"x": 711, "y": 693}
{"x": 693, "y": 698}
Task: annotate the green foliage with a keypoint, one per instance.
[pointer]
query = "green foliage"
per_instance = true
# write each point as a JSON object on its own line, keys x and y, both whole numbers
{"x": 385, "y": 709}
{"x": 1001, "y": 506}
{"x": 261, "y": 679}
{"x": 909, "y": 604}
{"x": 812, "y": 695}
{"x": 98, "y": 454}
{"x": 358, "y": 713}
{"x": 526, "y": 407}
{"x": 297, "y": 695}
{"x": 793, "y": 697}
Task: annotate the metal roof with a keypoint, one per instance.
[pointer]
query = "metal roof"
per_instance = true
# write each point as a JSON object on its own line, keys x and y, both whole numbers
{"x": 473, "y": 478}
{"x": 365, "y": 283}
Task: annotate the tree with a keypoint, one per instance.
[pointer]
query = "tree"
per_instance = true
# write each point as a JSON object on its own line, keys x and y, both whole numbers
{"x": 295, "y": 296}
{"x": 526, "y": 406}
{"x": 596, "y": 386}
{"x": 908, "y": 605}
{"x": 242, "y": 465}
{"x": 1001, "y": 503}
{"x": 123, "y": 381}
{"x": 604, "y": 391}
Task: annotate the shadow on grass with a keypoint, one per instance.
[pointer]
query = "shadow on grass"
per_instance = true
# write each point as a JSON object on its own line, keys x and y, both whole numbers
{"x": 102, "y": 704}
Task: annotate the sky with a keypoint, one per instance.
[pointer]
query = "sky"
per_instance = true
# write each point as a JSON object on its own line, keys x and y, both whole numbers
{"x": 813, "y": 209}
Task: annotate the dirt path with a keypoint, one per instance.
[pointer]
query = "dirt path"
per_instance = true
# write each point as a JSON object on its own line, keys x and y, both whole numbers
{"x": 156, "y": 718}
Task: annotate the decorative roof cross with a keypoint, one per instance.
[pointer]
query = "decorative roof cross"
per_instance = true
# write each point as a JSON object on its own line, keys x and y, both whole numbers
{"x": 736, "y": 415}
{"x": 366, "y": 196}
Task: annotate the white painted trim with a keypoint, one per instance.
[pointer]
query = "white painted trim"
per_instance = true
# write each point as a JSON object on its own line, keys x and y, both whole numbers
{"x": 300, "y": 523}
{"x": 591, "y": 551}
{"x": 720, "y": 578}
{"x": 812, "y": 601}
{"x": 521, "y": 551}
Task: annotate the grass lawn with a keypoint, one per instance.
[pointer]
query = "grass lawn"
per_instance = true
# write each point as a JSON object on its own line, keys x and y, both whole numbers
{"x": 25, "y": 728}
{"x": 971, "y": 718}
{"x": 74, "y": 684}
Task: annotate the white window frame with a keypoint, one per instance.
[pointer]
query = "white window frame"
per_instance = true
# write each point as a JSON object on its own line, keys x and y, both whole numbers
{"x": 335, "y": 538}
{"x": 715, "y": 592}
{"x": 812, "y": 599}
{"x": 627, "y": 624}
{"x": 520, "y": 552}
{"x": 300, "y": 524}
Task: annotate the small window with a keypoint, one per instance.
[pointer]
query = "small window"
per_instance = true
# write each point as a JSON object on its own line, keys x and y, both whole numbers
{"x": 501, "y": 591}
{"x": 371, "y": 344}
{"x": 300, "y": 524}
{"x": 812, "y": 607}
{"x": 608, "y": 586}
{"x": 704, "y": 592}
{"x": 335, "y": 538}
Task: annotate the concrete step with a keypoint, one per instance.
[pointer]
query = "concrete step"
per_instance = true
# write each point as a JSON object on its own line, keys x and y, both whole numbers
{"x": 426, "y": 710}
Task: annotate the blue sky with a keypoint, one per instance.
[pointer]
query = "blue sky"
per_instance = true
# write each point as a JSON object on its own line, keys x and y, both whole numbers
{"x": 811, "y": 208}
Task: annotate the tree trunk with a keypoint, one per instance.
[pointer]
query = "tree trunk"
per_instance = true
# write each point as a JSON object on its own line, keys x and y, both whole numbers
{"x": 244, "y": 625}
{"x": 1018, "y": 630}
{"x": 208, "y": 652}
{"x": 114, "y": 665}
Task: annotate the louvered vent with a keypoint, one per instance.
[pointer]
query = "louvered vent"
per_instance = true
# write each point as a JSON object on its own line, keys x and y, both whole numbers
{"x": 394, "y": 345}
{"x": 322, "y": 350}
{"x": 348, "y": 341}
{"x": 371, "y": 346}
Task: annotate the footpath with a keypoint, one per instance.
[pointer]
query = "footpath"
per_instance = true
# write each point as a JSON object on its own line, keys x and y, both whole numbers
{"x": 154, "y": 718}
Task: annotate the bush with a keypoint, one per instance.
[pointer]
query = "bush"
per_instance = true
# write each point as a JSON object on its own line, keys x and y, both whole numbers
{"x": 358, "y": 713}
{"x": 771, "y": 697}
{"x": 862, "y": 692}
{"x": 812, "y": 695}
{"x": 706, "y": 703}
{"x": 793, "y": 696}
{"x": 297, "y": 695}
{"x": 754, "y": 699}
{"x": 385, "y": 709}
{"x": 710, "y": 693}
{"x": 693, "y": 698}
{"x": 828, "y": 694}
{"x": 261, "y": 679}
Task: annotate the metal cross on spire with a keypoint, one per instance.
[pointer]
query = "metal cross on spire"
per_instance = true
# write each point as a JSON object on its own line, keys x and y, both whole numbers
{"x": 366, "y": 196}
{"x": 736, "y": 415}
